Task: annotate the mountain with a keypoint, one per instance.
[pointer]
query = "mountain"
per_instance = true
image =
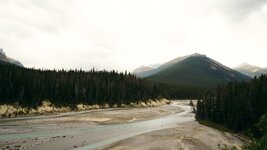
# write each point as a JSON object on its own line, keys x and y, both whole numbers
{"x": 149, "y": 71}
{"x": 251, "y": 70}
{"x": 193, "y": 70}
{"x": 6, "y": 60}
{"x": 142, "y": 70}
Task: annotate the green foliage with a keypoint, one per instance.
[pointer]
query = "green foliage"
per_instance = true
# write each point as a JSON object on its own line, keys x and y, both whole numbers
{"x": 241, "y": 107}
{"x": 238, "y": 106}
{"x": 29, "y": 87}
{"x": 197, "y": 71}
{"x": 214, "y": 125}
{"x": 257, "y": 144}
{"x": 262, "y": 124}
{"x": 225, "y": 147}
{"x": 191, "y": 103}
{"x": 261, "y": 143}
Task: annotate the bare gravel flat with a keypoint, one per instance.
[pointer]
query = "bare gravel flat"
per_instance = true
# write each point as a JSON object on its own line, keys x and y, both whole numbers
{"x": 164, "y": 127}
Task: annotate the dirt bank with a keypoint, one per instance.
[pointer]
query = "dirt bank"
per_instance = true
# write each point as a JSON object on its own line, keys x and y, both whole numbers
{"x": 47, "y": 108}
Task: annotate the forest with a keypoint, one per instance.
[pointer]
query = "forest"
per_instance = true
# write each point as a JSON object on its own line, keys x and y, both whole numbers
{"x": 240, "y": 107}
{"x": 29, "y": 87}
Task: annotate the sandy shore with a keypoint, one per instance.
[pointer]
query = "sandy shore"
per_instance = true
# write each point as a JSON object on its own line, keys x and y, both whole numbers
{"x": 186, "y": 136}
{"x": 189, "y": 135}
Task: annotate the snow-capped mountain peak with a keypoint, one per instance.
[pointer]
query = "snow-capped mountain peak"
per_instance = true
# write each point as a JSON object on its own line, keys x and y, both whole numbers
{"x": 2, "y": 52}
{"x": 250, "y": 70}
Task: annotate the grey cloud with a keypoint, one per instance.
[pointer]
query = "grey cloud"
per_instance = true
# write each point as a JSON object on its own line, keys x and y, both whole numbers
{"x": 41, "y": 15}
{"x": 113, "y": 34}
{"x": 239, "y": 10}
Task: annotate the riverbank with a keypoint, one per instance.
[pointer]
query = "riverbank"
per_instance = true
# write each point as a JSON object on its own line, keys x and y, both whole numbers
{"x": 77, "y": 129}
{"x": 186, "y": 136}
{"x": 47, "y": 108}
{"x": 164, "y": 127}
{"x": 240, "y": 136}
{"x": 189, "y": 135}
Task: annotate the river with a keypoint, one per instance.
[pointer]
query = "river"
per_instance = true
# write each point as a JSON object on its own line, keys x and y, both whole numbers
{"x": 41, "y": 133}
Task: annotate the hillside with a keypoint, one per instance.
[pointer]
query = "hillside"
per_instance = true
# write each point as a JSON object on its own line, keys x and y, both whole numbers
{"x": 251, "y": 70}
{"x": 193, "y": 70}
{"x": 238, "y": 107}
{"x": 8, "y": 61}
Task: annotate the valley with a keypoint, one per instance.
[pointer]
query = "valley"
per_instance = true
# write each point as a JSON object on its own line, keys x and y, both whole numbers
{"x": 169, "y": 126}
{"x": 133, "y": 75}
{"x": 77, "y": 109}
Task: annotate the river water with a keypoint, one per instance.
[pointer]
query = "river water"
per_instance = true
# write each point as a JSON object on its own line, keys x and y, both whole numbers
{"x": 95, "y": 136}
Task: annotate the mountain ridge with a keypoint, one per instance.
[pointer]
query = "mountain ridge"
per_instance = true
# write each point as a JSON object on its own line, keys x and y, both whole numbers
{"x": 150, "y": 71}
{"x": 250, "y": 70}
{"x": 193, "y": 70}
{"x": 8, "y": 61}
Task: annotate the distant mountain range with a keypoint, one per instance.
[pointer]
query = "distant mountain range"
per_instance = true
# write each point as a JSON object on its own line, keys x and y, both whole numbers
{"x": 145, "y": 68}
{"x": 191, "y": 70}
{"x": 8, "y": 61}
{"x": 251, "y": 70}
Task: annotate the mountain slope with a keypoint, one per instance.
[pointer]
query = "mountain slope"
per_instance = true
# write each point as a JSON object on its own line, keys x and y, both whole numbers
{"x": 194, "y": 70}
{"x": 149, "y": 71}
{"x": 251, "y": 70}
{"x": 8, "y": 61}
{"x": 145, "y": 71}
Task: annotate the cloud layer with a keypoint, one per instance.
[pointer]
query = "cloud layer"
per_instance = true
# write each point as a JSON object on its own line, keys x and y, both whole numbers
{"x": 124, "y": 34}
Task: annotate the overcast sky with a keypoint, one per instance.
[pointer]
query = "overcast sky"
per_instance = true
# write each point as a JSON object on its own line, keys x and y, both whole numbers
{"x": 125, "y": 34}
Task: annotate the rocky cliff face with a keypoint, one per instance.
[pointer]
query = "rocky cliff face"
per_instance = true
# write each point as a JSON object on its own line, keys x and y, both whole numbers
{"x": 6, "y": 60}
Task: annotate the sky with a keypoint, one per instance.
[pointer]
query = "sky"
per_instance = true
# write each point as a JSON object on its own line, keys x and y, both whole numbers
{"x": 125, "y": 34}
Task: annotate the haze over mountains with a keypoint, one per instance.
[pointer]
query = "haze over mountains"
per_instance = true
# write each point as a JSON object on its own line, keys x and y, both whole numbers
{"x": 6, "y": 60}
{"x": 192, "y": 70}
{"x": 251, "y": 70}
{"x": 145, "y": 68}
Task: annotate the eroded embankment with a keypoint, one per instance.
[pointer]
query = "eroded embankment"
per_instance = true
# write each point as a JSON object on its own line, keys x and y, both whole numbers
{"x": 7, "y": 111}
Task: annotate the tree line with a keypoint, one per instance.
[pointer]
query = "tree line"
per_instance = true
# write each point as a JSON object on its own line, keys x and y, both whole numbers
{"x": 239, "y": 106}
{"x": 29, "y": 87}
